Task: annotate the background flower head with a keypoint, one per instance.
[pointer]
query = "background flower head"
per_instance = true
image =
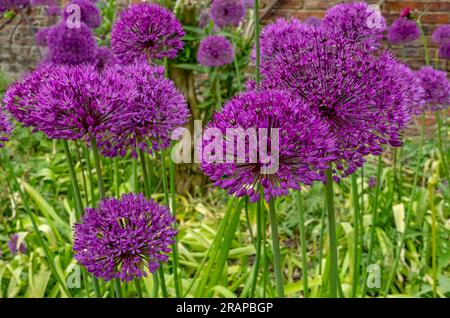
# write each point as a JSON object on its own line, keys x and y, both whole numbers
{"x": 5, "y": 128}
{"x": 302, "y": 152}
{"x": 89, "y": 13}
{"x": 215, "y": 50}
{"x": 357, "y": 21}
{"x": 442, "y": 34}
{"x": 148, "y": 121}
{"x": 146, "y": 31}
{"x": 70, "y": 45}
{"x": 15, "y": 247}
{"x": 123, "y": 238}
{"x": 403, "y": 30}
{"x": 104, "y": 57}
{"x": 436, "y": 86}
{"x": 312, "y": 21}
{"x": 444, "y": 51}
{"x": 227, "y": 12}
{"x": 41, "y": 36}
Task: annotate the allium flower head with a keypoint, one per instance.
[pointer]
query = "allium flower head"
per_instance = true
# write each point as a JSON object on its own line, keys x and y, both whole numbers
{"x": 157, "y": 109}
{"x": 77, "y": 101}
{"x": 215, "y": 50}
{"x": 43, "y": 2}
{"x": 41, "y": 36}
{"x": 227, "y": 12}
{"x": 444, "y": 51}
{"x": 146, "y": 31}
{"x": 20, "y": 98}
{"x": 104, "y": 57}
{"x": 249, "y": 4}
{"x": 275, "y": 35}
{"x": 436, "y": 86}
{"x": 123, "y": 238}
{"x": 89, "y": 13}
{"x": 357, "y": 21}
{"x": 442, "y": 34}
{"x": 14, "y": 247}
{"x": 204, "y": 18}
{"x": 5, "y": 128}
{"x": 303, "y": 145}
{"x": 403, "y": 31}
{"x": 53, "y": 11}
{"x": 353, "y": 90}
{"x": 6, "y": 5}
{"x": 70, "y": 45}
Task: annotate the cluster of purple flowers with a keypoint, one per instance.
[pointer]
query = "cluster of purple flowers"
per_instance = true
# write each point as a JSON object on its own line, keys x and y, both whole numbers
{"x": 5, "y": 128}
{"x": 215, "y": 50}
{"x": 441, "y": 36}
{"x": 403, "y": 30}
{"x": 227, "y": 12}
{"x": 436, "y": 86}
{"x": 124, "y": 238}
{"x": 6, "y": 5}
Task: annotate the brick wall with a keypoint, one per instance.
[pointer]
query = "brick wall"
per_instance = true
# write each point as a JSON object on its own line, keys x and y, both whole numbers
{"x": 20, "y": 54}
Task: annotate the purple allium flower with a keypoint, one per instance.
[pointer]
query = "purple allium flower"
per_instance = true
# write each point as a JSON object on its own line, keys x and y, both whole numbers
{"x": 405, "y": 13}
{"x": 444, "y": 51}
{"x": 78, "y": 101}
{"x": 355, "y": 91}
{"x": 372, "y": 182}
{"x": 6, "y": 5}
{"x": 53, "y": 11}
{"x": 156, "y": 111}
{"x": 301, "y": 153}
{"x": 20, "y": 97}
{"x": 313, "y": 21}
{"x": 436, "y": 86}
{"x": 215, "y": 50}
{"x": 123, "y": 238}
{"x": 5, "y": 128}
{"x": 41, "y": 36}
{"x": 204, "y": 18}
{"x": 227, "y": 12}
{"x": 104, "y": 57}
{"x": 275, "y": 35}
{"x": 442, "y": 34}
{"x": 14, "y": 247}
{"x": 403, "y": 30}
{"x": 146, "y": 31}
{"x": 70, "y": 45}
{"x": 249, "y": 4}
{"x": 89, "y": 13}
{"x": 357, "y": 21}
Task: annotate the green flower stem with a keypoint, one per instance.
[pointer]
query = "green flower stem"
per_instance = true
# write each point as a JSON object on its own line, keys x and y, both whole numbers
{"x": 334, "y": 279}
{"x": 137, "y": 283}
{"x": 218, "y": 90}
{"x": 145, "y": 173}
{"x": 441, "y": 146}
{"x": 258, "y": 247}
{"x": 408, "y": 212}
{"x": 434, "y": 272}
{"x": 48, "y": 254}
{"x": 356, "y": 235}
{"x": 135, "y": 175}
{"x": 116, "y": 177}
{"x": 83, "y": 175}
{"x": 257, "y": 46}
{"x": 90, "y": 176}
{"x": 178, "y": 284}
{"x": 276, "y": 249}
{"x": 301, "y": 212}
{"x": 374, "y": 222}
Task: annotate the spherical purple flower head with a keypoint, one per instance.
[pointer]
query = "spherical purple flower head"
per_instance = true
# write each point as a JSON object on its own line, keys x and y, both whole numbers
{"x": 148, "y": 122}
{"x": 41, "y": 36}
{"x": 313, "y": 21}
{"x": 71, "y": 46}
{"x": 53, "y": 11}
{"x": 123, "y": 238}
{"x": 78, "y": 101}
{"x": 227, "y": 12}
{"x": 275, "y": 35}
{"x": 146, "y": 31}
{"x": 444, "y": 51}
{"x": 357, "y": 21}
{"x": 20, "y": 98}
{"x": 301, "y": 153}
{"x": 89, "y": 13}
{"x": 104, "y": 58}
{"x": 436, "y": 86}
{"x": 442, "y": 34}
{"x": 215, "y": 50}
{"x": 403, "y": 31}
{"x": 5, "y": 128}
{"x": 6, "y": 5}
{"x": 354, "y": 90}
{"x": 14, "y": 247}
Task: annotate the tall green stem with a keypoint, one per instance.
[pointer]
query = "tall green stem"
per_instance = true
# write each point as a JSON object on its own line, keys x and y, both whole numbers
{"x": 276, "y": 249}
{"x": 258, "y": 246}
{"x": 218, "y": 90}
{"x": 48, "y": 254}
{"x": 116, "y": 177}
{"x": 301, "y": 212}
{"x": 441, "y": 146}
{"x": 409, "y": 210}
{"x": 356, "y": 242}
{"x": 334, "y": 280}
{"x": 257, "y": 46}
